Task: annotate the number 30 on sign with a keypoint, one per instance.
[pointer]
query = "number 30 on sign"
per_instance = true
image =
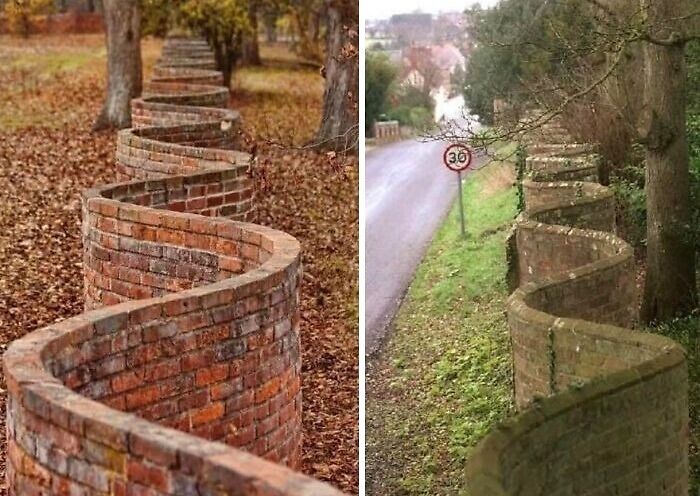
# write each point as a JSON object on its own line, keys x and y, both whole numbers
{"x": 458, "y": 157}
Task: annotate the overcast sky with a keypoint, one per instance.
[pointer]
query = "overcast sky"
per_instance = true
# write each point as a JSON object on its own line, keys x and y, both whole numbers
{"x": 382, "y": 9}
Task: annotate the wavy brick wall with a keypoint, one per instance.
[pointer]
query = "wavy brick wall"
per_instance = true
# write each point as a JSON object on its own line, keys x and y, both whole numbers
{"x": 184, "y": 375}
{"x": 604, "y": 409}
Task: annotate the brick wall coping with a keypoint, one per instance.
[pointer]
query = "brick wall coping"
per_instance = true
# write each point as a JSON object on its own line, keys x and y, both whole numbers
{"x": 196, "y": 336}
{"x": 176, "y": 45}
{"x": 550, "y": 160}
{"x": 150, "y": 138}
{"x": 484, "y": 467}
{"x": 562, "y": 168}
{"x": 586, "y": 189}
{"x": 609, "y": 244}
{"x": 562, "y": 149}
{"x": 193, "y": 76}
{"x": 187, "y": 51}
{"x": 212, "y": 113}
{"x": 186, "y": 94}
{"x": 510, "y": 460}
{"x": 192, "y": 63}
{"x": 586, "y": 193}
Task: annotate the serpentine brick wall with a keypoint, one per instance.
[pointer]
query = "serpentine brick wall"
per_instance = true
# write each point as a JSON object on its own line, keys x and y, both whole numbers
{"x": 183, "y": 378}
{"x": 604, "y": 409}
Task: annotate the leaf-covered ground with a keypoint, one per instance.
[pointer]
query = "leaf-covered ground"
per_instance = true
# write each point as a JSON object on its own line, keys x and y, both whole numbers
{"x": 51, "y": 89}
{"x": 314, "y": 197}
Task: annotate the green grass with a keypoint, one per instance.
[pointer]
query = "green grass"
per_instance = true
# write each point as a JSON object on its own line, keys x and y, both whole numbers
{"x": 36, "y": 85}
{"x": 49, "y": 64}
{"x": 444, "y": 379}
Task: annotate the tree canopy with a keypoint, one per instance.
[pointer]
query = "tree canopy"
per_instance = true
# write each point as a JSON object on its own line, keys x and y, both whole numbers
{"x": 521, "y": 43}
{"x": 380, "y": 74}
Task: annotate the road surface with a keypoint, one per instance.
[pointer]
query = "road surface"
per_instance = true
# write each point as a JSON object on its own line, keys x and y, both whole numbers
{"x": 407, "y": 195}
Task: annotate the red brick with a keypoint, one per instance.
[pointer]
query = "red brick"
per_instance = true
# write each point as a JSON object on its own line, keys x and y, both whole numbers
{"x": 149, "y": 475}
{"x": 208, "y": 414}
{"x": 215, "y": 373}
{"x": 176, "y": 361}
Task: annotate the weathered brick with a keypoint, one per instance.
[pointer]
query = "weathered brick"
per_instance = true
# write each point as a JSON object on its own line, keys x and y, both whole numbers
{"x": 201, "y": 363}
{"x": 597, "y": 386}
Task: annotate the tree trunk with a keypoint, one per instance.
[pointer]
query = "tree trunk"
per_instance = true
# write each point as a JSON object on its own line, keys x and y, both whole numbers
{"x": 251, "y": 48}
{"x": 670, "y": 288}
{"x": 26, "y": 25}
{"x": 270, "y": 21}
{"x": 339, "y": 125}
{"x": 308, "y": 32}
{"x": 124, "y": 78}
{"x": 226, "y": 58}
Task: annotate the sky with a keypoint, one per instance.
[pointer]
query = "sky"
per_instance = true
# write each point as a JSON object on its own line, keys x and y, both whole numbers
{"x": 382, "y": 9}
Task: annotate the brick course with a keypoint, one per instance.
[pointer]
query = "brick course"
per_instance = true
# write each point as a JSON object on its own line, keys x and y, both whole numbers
{"x": 603, "y": 409}
{"x": 184, "y": 374}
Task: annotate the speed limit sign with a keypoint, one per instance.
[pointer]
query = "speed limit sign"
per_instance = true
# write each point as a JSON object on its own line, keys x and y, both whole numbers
{"x": 457, "y": 157}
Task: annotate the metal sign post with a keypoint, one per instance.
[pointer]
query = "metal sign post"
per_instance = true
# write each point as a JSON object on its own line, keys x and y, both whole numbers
{"x": 458, "y": 158}
{"x": 461, "y": 204}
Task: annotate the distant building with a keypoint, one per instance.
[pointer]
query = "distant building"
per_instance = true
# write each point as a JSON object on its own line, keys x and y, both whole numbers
{"x": 431, "y": 66}
{"x": 377, "y": 29}
{"x": 412, "y": 28}
{"x": 449, "y": 59}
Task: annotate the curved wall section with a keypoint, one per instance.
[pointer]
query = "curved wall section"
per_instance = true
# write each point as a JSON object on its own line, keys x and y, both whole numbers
{"x": 185, "y": 376}
{"x": 604, "y": 408}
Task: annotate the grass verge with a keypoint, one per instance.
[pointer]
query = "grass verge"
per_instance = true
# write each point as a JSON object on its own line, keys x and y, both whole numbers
{"x": 444, "y": 378}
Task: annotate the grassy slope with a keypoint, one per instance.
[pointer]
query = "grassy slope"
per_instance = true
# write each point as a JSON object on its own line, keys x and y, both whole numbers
{"x": 444, "y": 378}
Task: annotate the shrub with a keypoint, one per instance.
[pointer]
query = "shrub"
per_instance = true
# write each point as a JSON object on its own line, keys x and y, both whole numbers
{"x": 19, "y": 13}
{"x": 379, "y": 77}
{"x": 413, "y": 107}
{"x": 418, "y": 118}
{"x": 157, "y": 17}
{"x": 628, "y": 185}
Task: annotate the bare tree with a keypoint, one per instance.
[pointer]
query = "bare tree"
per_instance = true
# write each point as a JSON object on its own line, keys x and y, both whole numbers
{"x": 660, "y": 29}
{"x": 124, "y": 76}
{"x": 251, "y": 48}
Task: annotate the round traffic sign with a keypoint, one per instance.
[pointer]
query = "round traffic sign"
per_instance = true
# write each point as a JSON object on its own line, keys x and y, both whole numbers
{"x": 457, "y": 157}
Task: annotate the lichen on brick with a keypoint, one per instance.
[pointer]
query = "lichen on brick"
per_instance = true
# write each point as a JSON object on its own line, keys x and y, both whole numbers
{"x": 601, "y": 391}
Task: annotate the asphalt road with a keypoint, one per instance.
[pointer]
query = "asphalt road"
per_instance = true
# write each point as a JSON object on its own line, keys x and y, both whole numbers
{"x": 408, "y": 192}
